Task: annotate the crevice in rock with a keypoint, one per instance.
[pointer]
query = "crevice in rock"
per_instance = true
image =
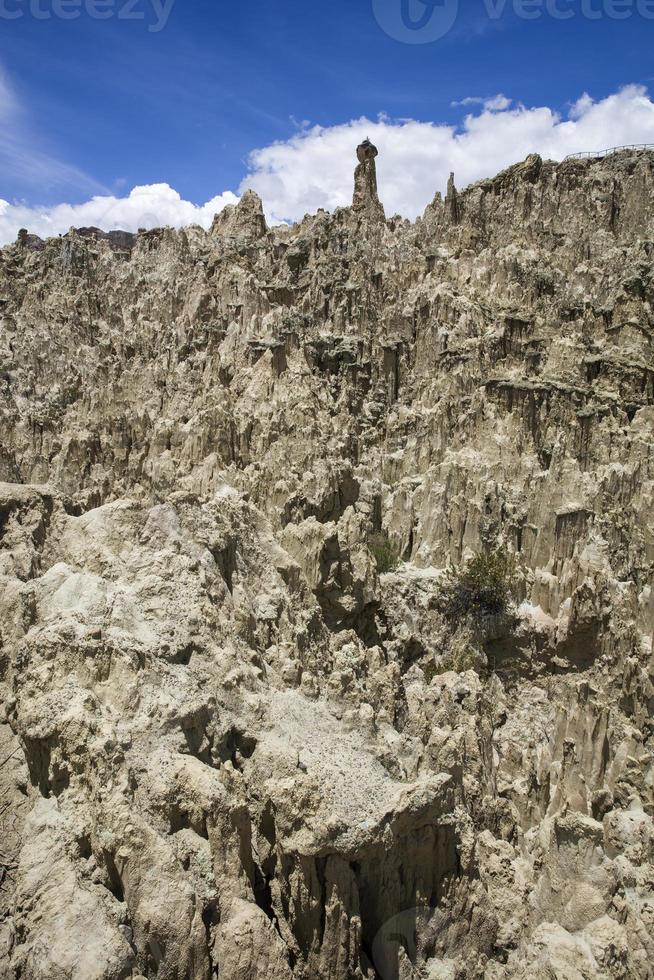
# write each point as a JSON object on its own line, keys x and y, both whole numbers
{"x": 225, "y": 559}
{"x": 114, "y": 881}
{"x": 180, "y": 819}
{"x": 235, "y": 746}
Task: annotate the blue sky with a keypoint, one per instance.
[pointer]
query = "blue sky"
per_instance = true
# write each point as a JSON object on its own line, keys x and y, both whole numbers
{"x": 112, "y": 104}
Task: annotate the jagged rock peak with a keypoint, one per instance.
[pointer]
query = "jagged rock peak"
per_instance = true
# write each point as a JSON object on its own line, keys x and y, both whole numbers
{"x": 366, "y": 198}
{"x": 243, "y": 220}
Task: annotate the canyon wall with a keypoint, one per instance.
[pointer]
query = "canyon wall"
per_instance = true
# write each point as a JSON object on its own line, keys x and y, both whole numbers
{"x": 235, "y": 745}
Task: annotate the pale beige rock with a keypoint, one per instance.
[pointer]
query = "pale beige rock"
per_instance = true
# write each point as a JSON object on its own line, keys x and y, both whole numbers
{"x": 233, "y": 747}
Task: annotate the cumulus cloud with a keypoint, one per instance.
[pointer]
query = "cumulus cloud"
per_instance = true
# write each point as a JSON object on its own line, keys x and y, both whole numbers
{"x": 314, "y": 168}
{"x": 149, "y": 206}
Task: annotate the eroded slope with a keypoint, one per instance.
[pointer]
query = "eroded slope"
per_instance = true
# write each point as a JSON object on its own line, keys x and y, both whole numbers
{"x": 239, "y": 750}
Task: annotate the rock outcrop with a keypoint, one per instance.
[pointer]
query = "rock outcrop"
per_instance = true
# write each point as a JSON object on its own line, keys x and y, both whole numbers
{"x": 366, "y": 197}
{"x": 234, "y": 742}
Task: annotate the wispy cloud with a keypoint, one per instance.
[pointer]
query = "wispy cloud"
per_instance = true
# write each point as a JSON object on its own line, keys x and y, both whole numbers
{"x": 8, "y": 102}
{"x": 493, "y": 103}
{"x": 23, "y": 157}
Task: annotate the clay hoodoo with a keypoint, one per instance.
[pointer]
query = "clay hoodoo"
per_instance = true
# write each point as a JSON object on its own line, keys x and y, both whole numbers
{"x": 366, "y": 199}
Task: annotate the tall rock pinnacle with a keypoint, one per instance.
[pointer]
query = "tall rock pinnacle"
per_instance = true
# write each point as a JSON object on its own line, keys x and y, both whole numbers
{"x": 366, "y": 199}
{"x": 452, "y": 201}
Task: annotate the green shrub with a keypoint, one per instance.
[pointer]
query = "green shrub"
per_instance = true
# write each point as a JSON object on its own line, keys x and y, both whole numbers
{"x": 484, "y": 587}
{"x": 383, "y": 551}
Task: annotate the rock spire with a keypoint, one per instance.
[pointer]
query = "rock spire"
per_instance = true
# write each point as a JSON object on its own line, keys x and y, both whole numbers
{"x": 366, "y": 199}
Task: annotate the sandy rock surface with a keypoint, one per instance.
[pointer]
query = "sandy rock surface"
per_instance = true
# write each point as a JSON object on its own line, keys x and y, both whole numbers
{"x": 232, "y": 744}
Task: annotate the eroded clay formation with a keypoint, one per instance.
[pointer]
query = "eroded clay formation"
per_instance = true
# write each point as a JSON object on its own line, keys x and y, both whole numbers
{"x": 230, "y": 746}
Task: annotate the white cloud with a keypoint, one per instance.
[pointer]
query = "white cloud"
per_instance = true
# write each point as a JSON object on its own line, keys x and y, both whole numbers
{"x": 582, "y": 105}
{"x": 314, "y": 167}
{"x": 150, "y": 206}
{"x": 496, "y": 103}
{"x": 144, "y": 207}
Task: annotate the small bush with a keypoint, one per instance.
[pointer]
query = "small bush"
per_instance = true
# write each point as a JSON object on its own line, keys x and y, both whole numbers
{"x": 484, "y": 587}
{"x": 385, "y": 554}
